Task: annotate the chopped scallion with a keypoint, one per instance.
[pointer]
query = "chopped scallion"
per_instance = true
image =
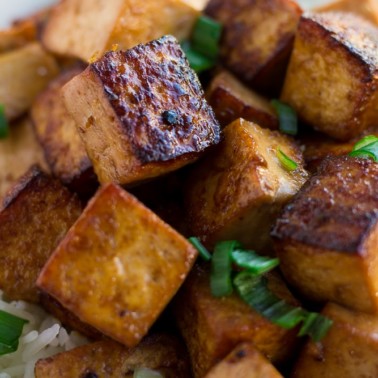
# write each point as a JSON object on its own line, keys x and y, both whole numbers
{"x": 287, "y": 117}
{"x": 365, "y": 141}
{"x": 316, "y": 326}
{"x": 147, "y": 373}
{"x": 4, "y": 127}
{"x": 197, "y": 61}
{"x": 253, "y": 262}
{"x": 367, "y": 147}
{"x": 204, "y": 253}
{"x": 10, "y": 331}
{"x": 287, "y": 163}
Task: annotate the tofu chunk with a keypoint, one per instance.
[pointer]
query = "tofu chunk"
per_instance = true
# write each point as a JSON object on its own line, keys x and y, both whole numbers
{"x": 238, "y": 190}
{"x": 212, "y": 327}
{"x": 24, "y": 73}
{"x": 332, "y": 77}
{"x": 326, "y": 238}
{"x": 88, "y": 28}
{"x": 258, "y": 38}
{"x": 56, "y": 131}
{"x": 37, "y": 212}
{"x": 118, "y": 267}
{"x": 349, "y": 349}
{"x": 141, "y": 113}
{"x": 231, "y": 100}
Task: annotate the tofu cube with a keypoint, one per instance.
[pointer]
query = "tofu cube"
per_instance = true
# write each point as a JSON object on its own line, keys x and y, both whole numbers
{"x": 331, "y": 80}
{"x": 212, "y": 327}
{"x": 257, "y": 39}
{"x": 141, "y": 113}
{"x": 118, "y": 266}
{"x": 231, "y": 99}
{"x": 56, "y": 131}
{"x": 37, "y": 212}
{"x": 88, "y": 28}
{"x": 349, "y": 349}
{"x": 326, "y": 238}
{"x": 238, "y": 190}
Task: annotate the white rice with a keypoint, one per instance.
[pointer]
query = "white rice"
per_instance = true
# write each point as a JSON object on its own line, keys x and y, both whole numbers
{"x": 42, "y": 337}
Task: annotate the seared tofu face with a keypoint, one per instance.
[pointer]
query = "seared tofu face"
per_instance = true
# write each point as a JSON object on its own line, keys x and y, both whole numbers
{"x": 141, "y": 113}
{"x": 118, "y": 267}
{"x": 326, "y": 238}
{"x": 332, "y": 76}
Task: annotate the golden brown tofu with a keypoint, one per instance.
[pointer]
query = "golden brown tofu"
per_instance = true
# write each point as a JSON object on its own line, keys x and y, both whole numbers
{"x": 160, "y": 352}
{"x": 231, "y": 100}
{"x": 332, "y": 79}
{"x": 349, "y": 350}
{"x": 238, "y": 190}
{"x": 37, "y": 212}
{"x": 244, "y": 362}
{"x": 141, "y": 113}
{"x": 17, "y": 35}
{"x": 87, "y": 28}
{"x": 56, "y": 130}
{"x": 118, "y": 266}
{"x": 257, "y": 40}
{"x": 212, "y": 327}
{"x": 327, "y": 237}
{"x": 18, "y": 152}
{"x": 23, "y": 74}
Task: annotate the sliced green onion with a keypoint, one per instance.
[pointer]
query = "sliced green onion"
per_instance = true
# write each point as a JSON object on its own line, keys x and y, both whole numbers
{"x": 4, "y": 127}
{"x": 10, "y": 331}
{"x": 365, "y": 149}
{"x": 365, "y": 141}
{"x": 316, "y": 326}
{"x": 204, "y": 253}
{"x": 287, "y": 163}
{"x": 147, "y": 373}
{"x": 253, "y": 262}
{"x": 287, "y": 117}
{"x": 197, "y": 61}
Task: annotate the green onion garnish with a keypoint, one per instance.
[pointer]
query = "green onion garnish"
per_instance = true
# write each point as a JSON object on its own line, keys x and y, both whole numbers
{"x": 10, "y": 331}
{"x": 197, "y": 61}
{"x": 203, "y": 252}
{"x": 4, "y": 127}
{"x": 147, "y": 373}
{"x": 253, "y": 262}
{"x": 287, "y": 117}
{"x": 367, "y": 147}
{"x": 289, "y": 164}
{"x": 316, "y": 326}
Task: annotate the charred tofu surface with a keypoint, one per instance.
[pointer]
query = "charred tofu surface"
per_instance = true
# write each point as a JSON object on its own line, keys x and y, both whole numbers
{"x": 118, "y": 267}
{"x": 141, "y": 113}
{"x": 332, "y": 76}
{"x": 326, "y": 238}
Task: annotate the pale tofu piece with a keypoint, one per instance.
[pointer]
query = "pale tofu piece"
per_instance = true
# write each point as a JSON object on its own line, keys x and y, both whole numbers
{"x": 236, "y": 192}
{"x": 24, "y": 73}
{"x": 332, "y": 79}
{"x": 327, "y": 237}
{"x": 37, "y": 212}
{"x": 86, "y": 28}
{"x": 118, "y": 266}
{"x": 257, "y": 39}
{"x": 244, "y": 362}
{"x": 141, "y": 113}
{"x": 231, "y": 99}
{"x": 349, "y": 350}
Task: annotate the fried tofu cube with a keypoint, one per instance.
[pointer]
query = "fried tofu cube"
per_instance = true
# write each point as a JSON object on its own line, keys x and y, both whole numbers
{"x": 231, "y": 99}
{"x": 137, "y": 125}
{"x": 258, "y": 38}
{"x": 212, "y": 327}
{"x": 160, "y": 352}
{"x": 238, "y": 190}
{"x": 331, "y": 80}
{"x": 37, "y": 212}
{"x": 56, "y": 131}
{"x": 24, "y": 73}
{"x": 349, "y": 349}
{"x": 87, "y": 28}
{"x": 118, "y": 266}
{"x": 244, "y": 361}
{"x": 326, "y": 238}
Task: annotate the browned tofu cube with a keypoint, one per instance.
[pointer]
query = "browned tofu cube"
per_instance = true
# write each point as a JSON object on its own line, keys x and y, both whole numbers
{"x": 349, "y": 350}
{"x": 212, "y": 327}
{"x": 23, "y": 74}
{"x": 118, "y": 266}
{"x": 331, "y": 80}
{"x": 231, "y": 100}
{"x": 244, "y": 362}
{"x": 238, "y": 190}
{"x": 257, "y": 40}
{"x": 141, "y": 113}
{"x": 56, "y": 130}
{"x": 326, "y": 238}
{"x": 88, "y": 28}
{"x": 162, "y": 353}
{"x": 36, "y": 215}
